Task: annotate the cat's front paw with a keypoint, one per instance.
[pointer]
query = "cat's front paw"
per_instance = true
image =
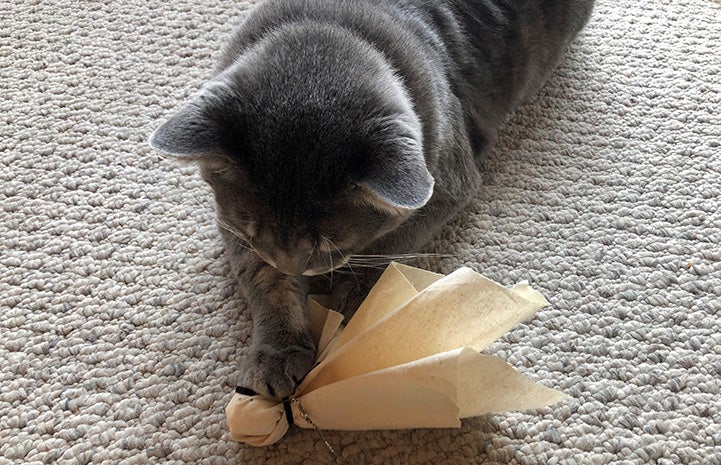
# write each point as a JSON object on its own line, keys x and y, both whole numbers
{"x": 275, "y": 371}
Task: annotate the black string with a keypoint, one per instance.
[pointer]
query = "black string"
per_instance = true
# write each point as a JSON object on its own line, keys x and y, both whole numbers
{"x": 288, "y": 411}
{"x": 244, "y": 391}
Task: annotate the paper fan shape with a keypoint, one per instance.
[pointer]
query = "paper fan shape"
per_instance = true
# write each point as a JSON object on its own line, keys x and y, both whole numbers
{"x": 409, "y": 358}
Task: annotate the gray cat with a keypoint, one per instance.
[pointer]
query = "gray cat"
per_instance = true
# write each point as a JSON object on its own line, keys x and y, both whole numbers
{"x": 334, "y": 128}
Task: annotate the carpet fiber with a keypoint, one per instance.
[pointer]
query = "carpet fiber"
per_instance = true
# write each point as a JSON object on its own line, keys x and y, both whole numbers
{"x": 119, "y": 332}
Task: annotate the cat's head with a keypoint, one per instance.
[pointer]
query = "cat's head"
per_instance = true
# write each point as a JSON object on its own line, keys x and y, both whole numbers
{"x": 311, "y": 146}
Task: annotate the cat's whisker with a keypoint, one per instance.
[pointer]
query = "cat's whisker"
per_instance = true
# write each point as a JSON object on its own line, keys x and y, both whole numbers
{"x": 382, "y": 261}
{"x": 225, "y": 225}
{"x": 343, "y": 271}
{"x": 312, "y": 251}
{"x": 345, "y": 259}
{"x": 310, "y": 255}
{"x": 378, "y": 266}
{"x": 330, "y": 259}
{"x": 243, "y": 242}
{"x": 359, "y": 260}
{"x": 407, "y": 255}
{"x": 201, "y": 204}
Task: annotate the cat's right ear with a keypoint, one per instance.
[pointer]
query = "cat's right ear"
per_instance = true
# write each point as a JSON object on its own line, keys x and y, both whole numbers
{"x": 196, "y": 129}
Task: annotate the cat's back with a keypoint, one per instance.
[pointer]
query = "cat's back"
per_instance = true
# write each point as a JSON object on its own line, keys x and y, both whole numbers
{"x": 381, "y": 23}
{"x": 559, "y": 18}
{"x": 511, "y": 43}
{"x": 491, "y": 54}
{"x": 504, "y": 51}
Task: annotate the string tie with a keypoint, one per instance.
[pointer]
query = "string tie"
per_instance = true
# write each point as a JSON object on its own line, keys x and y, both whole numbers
{"x": 244, "y": 391}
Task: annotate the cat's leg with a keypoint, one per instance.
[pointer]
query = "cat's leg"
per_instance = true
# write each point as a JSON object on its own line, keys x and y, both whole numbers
{"x": 282, "y": 350}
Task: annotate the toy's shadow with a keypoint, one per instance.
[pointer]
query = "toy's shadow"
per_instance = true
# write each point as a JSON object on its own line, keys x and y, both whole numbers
{"x": 433, "y": 446}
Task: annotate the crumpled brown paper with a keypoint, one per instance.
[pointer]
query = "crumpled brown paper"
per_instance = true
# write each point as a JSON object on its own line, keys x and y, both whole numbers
{"x": 409, "y": 358}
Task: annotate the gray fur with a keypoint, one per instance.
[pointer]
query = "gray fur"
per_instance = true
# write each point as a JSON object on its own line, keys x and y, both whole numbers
{"x": 341, "y": 127}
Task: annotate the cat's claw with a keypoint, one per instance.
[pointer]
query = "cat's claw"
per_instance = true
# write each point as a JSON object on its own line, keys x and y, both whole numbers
{"x": 276, "y": 371}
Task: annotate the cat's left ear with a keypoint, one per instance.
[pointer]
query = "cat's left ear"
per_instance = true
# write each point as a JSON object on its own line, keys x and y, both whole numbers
{"x": 196, "y": 129}
{"x": 397, "y": 176}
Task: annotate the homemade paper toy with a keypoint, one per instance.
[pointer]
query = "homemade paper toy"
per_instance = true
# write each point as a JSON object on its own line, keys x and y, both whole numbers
{"x": 409, "y": 358}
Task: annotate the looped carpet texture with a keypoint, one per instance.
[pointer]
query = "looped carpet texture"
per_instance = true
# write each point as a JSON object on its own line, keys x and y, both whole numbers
{"x": 120, "y": 333}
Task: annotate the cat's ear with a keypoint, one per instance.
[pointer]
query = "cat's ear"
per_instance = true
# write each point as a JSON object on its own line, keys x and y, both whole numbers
{"x": 397, "y": 176}
{"x": 196, "y": 129}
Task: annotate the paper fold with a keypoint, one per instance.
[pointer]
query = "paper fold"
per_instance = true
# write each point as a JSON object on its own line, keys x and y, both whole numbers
{"x": 409, "y": 358}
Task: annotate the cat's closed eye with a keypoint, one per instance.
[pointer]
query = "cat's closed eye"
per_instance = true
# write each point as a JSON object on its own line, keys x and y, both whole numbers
{"x": 218, "y": 166}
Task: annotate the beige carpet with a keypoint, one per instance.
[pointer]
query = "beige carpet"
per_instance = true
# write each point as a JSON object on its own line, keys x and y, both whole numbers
{"x": 119, "y": 336}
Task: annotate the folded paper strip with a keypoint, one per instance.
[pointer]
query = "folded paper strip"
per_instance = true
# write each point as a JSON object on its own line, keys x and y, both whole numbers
{"x": 409, "y": 358}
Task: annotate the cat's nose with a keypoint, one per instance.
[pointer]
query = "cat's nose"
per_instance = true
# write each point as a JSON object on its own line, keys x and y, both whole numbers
{"x": 292, "y": 269}
{"x": 290, "y": 265}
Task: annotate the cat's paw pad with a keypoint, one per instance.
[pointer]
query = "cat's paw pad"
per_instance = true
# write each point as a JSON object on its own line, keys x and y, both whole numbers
{"x": 276, "y": 371}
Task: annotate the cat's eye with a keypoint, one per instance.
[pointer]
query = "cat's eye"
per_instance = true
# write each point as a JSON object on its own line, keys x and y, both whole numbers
{"x": 219, "y": 166}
